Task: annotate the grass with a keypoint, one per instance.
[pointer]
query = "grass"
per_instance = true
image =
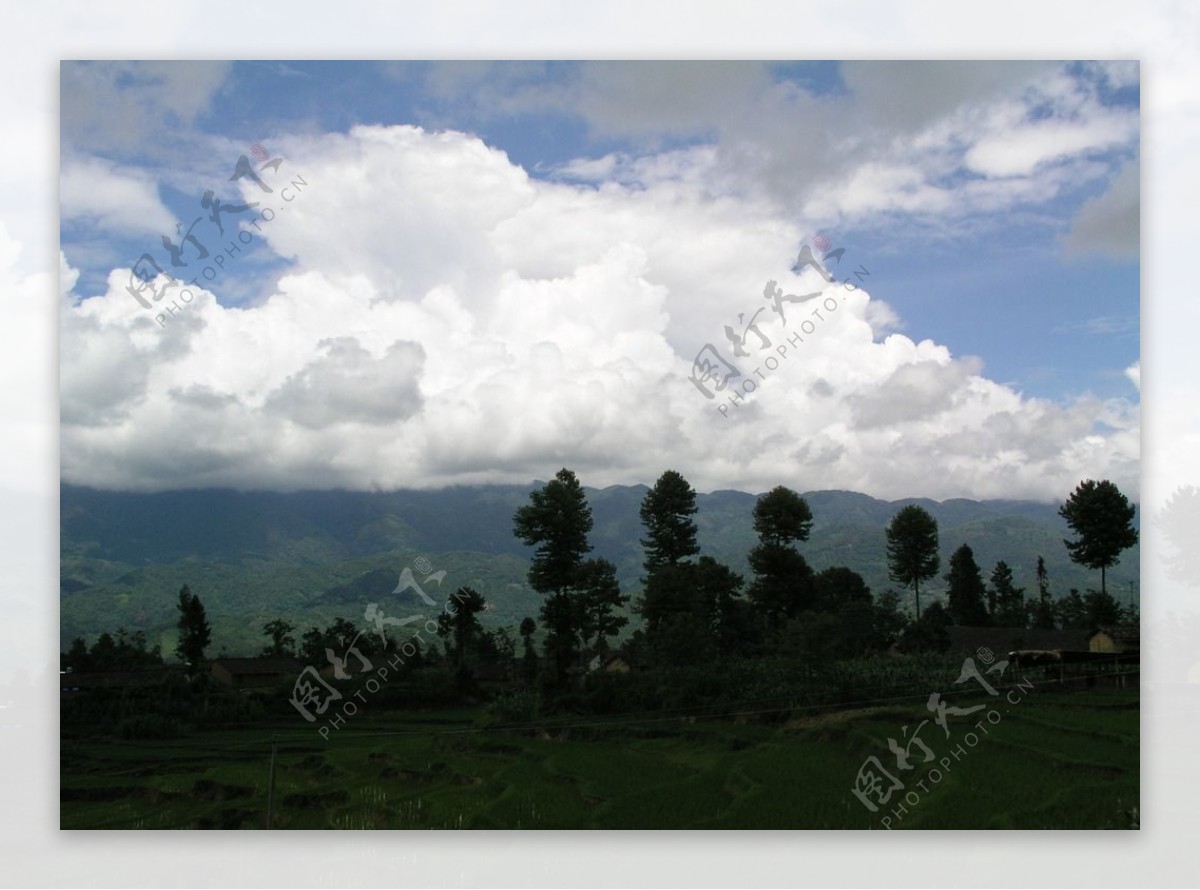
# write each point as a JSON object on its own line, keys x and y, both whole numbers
{"x": 1055, "y": 760}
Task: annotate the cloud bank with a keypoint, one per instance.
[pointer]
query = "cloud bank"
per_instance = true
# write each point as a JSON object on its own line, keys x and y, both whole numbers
{"x": 449, "y": 319}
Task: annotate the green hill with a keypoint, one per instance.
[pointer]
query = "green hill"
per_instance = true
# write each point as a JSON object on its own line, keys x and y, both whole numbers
{"x": 312, "y": 556}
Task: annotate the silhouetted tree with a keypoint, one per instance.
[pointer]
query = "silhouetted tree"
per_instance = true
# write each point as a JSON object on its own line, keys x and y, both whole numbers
{"x": 123, "y": 652}
{"x": 781, "y": 516}
{"x": 667, "y": 512}
{"x": 966, "y": 592}
{"x": 459, "y": 627}
{"x": 1042, "y": 612}
{"x": 1072, "y": 613}
{"x": 1007, "y": 601}
{"x": 600, "y": 596}
{"x": 529, "y": 663}
{"x": 889, "y": 620}
{"x": 195, "y": 633}
{"x": 557, "y": 521}
{"x": 912, "y": 549}
{"x": 1102, "y": 518}
{"x": 929, "y": 632}
{"x": 692, "y": 612}
{"x": 836, "y": 586}
{"x": 1103, "y": 610}
{"x": 333, "y": 646}
{"x": 280, "y": 634}
{"x": 783, "y": 581}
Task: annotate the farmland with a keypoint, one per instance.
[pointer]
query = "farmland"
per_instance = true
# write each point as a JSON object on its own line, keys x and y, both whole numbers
{"x": 1053, "y": 759}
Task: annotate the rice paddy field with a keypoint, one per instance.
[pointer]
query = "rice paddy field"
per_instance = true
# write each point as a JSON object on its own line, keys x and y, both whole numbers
{"x": 1050, "y": 760}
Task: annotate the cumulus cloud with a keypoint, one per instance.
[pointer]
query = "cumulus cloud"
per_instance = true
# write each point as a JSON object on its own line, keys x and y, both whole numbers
{"x": 346, "y": 384}
{"x": 936, "y": 142}
{"x": 448, "y": 319}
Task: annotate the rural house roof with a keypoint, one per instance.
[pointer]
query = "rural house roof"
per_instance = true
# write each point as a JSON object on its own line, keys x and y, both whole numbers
{"x": 271, "y": 664}
{"x": 1008, "y": 639}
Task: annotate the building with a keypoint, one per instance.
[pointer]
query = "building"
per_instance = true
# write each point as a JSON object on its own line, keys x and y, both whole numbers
{"x": 256, "y": 673}
{"x": 1063, "y": 654}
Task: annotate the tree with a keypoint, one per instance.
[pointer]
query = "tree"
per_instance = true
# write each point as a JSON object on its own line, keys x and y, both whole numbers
{"x": 600, "y": 597}
{"x": 195, "y": 633}
{"x": 889, "y": 621}
{"x": 333, "y": 644}
{"x": 529, "y": 663}
{"x": 693, "y": 613}
{"x": 76, "y": 658}
{"x": 781, "y": 516}
{"x": 459, "y": 627}
{"x": 1103, "y": 610}
{"x": 1042, "y": 612}
{"x": 561, "y": 618}
{"x": 1102, "y": 518}
{"x": 929, "y": 632}
{"x": 965, "y": 597}
{"x": 1072, "y": 613}
{"x": 124, "y": 652}
{"x": 557, "y": 521}
{"x": 783, "y": 581}
{"x": 836, "y": 586}
{"x": 282, "y": 641}
{"x": 1008, "y": 602}
{"x": 667, "y": 512}
{"x": 912, "y": 549}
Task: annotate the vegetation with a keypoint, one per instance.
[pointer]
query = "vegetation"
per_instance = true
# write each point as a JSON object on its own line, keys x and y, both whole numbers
{"x": 1056, "y": 761}
{"x": 195, "y": 633}
{"x": 783, "y": 581}
{"x": 756, "y": 663}
{"x": 912, "y": 549}
{"x": 1102, "y": 518}
{"x": 966, "y": 593}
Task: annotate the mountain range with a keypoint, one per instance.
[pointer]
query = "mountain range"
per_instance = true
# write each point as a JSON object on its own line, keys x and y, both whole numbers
{"x": 311, "y": 556}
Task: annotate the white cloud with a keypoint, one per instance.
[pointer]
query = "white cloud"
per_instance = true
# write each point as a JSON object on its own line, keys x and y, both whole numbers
{"x": 1134, "y": 373}
{"x": 118, "y": 200}
{"x": 449, "y": 320}
{"x": 1020, "y": 150}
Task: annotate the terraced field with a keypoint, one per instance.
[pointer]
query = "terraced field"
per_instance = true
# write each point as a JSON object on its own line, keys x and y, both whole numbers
{"x": 1050, "y": 760}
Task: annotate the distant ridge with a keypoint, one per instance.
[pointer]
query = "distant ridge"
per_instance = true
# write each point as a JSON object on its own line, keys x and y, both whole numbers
{"x": 254, "y": 556}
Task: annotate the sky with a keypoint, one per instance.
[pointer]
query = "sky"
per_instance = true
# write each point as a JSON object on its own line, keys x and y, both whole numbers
{"x": 434, "y": 273}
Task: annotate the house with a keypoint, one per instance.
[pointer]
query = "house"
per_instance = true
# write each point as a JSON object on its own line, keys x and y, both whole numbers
{"x": 609, "y": 663}
{"x": 1086, "y": 650}
{"x": 256, "y": 673}
{"x": 1002, "y": 640}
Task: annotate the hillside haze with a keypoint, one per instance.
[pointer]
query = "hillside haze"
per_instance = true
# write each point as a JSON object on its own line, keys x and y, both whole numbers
{"x": 311, "y": 556}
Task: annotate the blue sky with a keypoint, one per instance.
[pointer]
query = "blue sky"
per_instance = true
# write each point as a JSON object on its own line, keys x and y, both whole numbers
{"x": 995, "y": 206}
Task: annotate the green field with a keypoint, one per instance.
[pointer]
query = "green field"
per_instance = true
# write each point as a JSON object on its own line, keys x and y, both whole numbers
{"x": 1053, "y": 760}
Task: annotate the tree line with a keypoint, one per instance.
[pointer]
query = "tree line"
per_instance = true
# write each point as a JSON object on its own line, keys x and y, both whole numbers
{"x": 693, "y": 609}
